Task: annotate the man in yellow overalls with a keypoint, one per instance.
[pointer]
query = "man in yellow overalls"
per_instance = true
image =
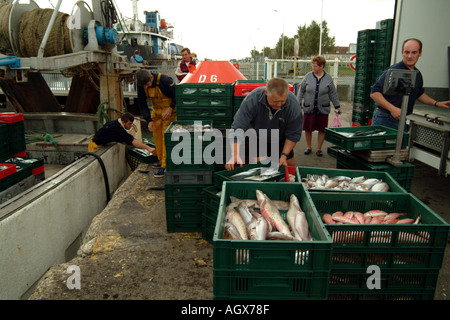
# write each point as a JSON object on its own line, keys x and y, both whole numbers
{"x": 161, "y": 90}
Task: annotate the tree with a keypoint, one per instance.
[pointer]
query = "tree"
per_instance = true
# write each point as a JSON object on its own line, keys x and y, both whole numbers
{"x": 309, "y": 39}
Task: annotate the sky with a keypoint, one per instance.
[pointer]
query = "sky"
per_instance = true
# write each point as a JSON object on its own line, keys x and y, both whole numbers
{"x": 224, "y": 30}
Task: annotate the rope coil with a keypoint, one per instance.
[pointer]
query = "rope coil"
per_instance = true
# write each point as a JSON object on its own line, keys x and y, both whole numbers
{"x": 32, "y": 27}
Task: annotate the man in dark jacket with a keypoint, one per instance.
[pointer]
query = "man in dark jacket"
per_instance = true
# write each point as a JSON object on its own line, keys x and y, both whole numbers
{"x": 388, "y": 108}
{"x": 277, "y": 119}
{"x": 117, "y": 131}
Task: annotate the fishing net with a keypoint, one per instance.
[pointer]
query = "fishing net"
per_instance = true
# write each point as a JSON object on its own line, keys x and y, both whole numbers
{"x": 32, "y": 28}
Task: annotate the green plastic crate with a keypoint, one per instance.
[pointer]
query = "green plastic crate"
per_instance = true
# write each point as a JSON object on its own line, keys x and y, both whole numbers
{"x": 135, "y": 156}
{"x": 184, "y": 207}
{"x": 204, "y": 89}
{"x": 281, "y": 269}
{"x": 224, "y": 175}
{"x": 22, "y": 171}
{"x": 270, "y": 284}
{"x": 403, "y": 174}
{"x": 219, "y": 122}
{"x": 188, "y": 177}
{"x": 378, "y": 295}
{"x": 203, "y": 101}
{"x": 337, "y": 136}
{"x": 211, "y": 204}
{"x": 432, "y": 233}
{"x": 303, "y": 172}
{"x": 393, "y": 284}
{"x": 185, "y": 150}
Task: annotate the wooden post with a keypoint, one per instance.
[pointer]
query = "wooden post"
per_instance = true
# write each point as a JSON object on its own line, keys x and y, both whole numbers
{"x": 111, "y": 88}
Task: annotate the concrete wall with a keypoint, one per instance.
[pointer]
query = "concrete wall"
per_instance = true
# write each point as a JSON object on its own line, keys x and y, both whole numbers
{"x": 38, "y": 228}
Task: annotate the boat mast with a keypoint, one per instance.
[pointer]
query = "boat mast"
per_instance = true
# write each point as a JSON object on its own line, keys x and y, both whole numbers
{"x": 135, "y": 11}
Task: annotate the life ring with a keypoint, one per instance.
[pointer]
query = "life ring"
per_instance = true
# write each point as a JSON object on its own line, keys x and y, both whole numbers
{"x": 236, "y": 65}
{"x": 351, "y": 64}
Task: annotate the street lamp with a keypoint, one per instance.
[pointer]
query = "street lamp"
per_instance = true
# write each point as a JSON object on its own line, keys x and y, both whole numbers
{"x": 282, "y": 40}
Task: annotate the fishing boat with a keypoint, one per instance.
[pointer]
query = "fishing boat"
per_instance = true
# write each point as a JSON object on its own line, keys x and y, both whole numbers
{"x": 154, "y": 38}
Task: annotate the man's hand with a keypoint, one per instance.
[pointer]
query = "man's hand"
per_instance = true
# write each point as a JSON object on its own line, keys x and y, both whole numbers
{"x": 231, "y": 164}
{"x": 396, "y": 112}
{"x": 167, "y": 113}
{"x": 151, "y": 126}
{"x": 443, "y": 104}
{"x": 152, "y": 150}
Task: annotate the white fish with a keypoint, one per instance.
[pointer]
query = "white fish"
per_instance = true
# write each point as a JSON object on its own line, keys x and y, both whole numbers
{"x": 297, "y": 220}
{"x": 380, "y": 187}
{"x": 276, "y": 235}
{"x": 244, "y": 211}
{"x": 258, "y": 228}
{"x": 236, "y": 219}
{"x": 230, "y": 232}
{"x": 271, "y": 213}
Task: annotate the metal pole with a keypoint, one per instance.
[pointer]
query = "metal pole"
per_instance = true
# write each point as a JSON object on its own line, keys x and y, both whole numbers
{"x": 395, "y": 159}
{"x": 321, "y": 22}
{"x": 49, "y": 29}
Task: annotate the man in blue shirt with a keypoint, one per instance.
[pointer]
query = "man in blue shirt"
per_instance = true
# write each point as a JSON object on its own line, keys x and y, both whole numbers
{"x": 388, "y": 108}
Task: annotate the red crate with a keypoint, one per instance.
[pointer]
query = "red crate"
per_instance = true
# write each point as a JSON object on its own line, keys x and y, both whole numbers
{"x": 21, "y": 154}
{"x": 11, "y": 117}
{"x": 9, "y": 171}
{"x": 243, "y": 89}
{"x": 38, "y": 170}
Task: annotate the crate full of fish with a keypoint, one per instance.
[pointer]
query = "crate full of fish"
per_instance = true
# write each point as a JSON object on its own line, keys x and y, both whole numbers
{"x": 326, "y": 180}
{"x": 365, "y": 138}
{"x": 36, "y": 164}
{"x": 403, "y": 174}
{"x": 190, "y": 145}
{"x": 410, "y": 233}
{"x": 22, "y": 171}
{"x": 204, "y": 89}
{"x": 256, "y": 172}
{"x": 269, "y": 243}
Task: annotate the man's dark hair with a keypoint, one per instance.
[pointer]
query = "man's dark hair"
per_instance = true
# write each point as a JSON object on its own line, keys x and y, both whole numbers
{"x": 142, "y": 77}
{"x": 127, "y": 117}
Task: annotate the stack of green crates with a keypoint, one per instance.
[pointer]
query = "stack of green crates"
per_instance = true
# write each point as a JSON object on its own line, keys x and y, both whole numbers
{"x": 205, "y": 101}
{"x": 270, "y": 269}
{"x": 185, "y": 181}
{"x": 405, "y": 259}
{"x": 373, "y": 57}
{"x": 345, "y": 144}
